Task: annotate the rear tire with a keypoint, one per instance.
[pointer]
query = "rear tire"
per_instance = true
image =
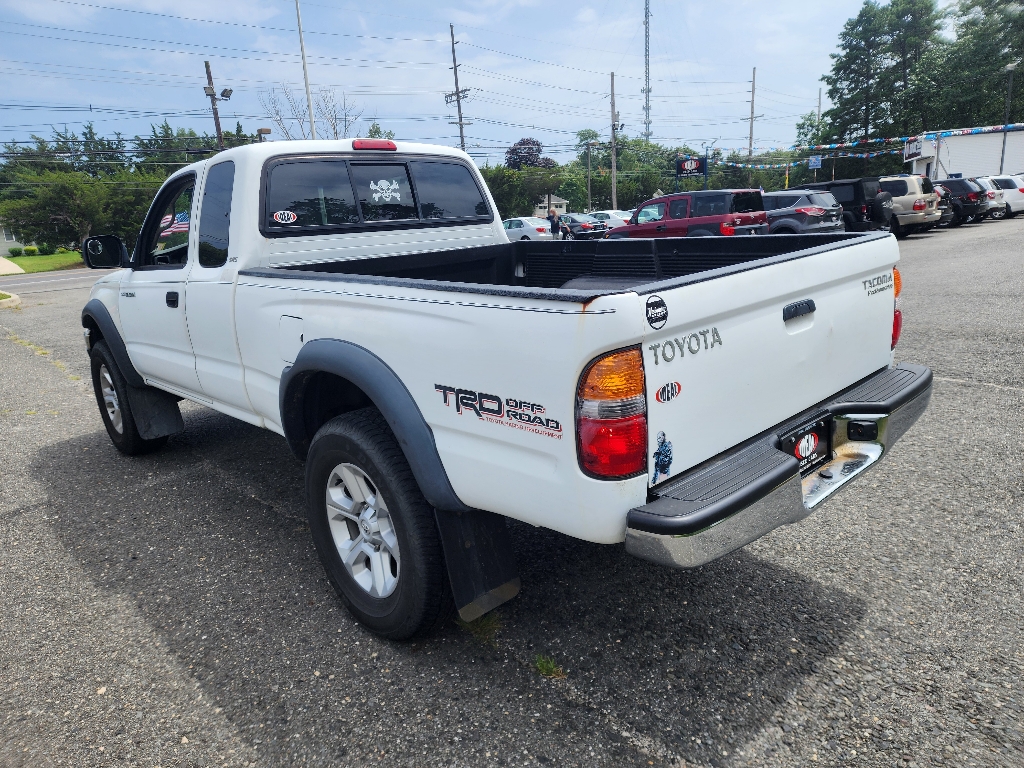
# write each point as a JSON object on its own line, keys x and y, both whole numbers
{"x": 997, "y": 213}
{"x": 896, "y": 230}
{"x": 115, "y": 408}
{"x": 373, "y": 529}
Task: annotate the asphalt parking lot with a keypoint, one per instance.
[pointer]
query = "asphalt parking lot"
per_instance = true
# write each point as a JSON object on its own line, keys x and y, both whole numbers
{"x": 170, "y": 610}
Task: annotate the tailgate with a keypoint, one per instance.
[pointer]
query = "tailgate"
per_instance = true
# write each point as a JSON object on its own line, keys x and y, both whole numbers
{"x": 722, "y": 365}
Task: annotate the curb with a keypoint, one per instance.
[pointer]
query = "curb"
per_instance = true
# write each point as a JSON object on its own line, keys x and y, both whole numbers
{"x": 11, "y": 303}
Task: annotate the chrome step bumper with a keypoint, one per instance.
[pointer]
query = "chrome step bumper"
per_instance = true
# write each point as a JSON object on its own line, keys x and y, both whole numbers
{"x": 739, "y": 496}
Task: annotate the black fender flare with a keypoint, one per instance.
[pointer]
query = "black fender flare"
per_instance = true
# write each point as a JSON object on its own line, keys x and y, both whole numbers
{"x": 156, "y": 412}
{"x": 97, "y": 312}
{"x": 387, "y": 392}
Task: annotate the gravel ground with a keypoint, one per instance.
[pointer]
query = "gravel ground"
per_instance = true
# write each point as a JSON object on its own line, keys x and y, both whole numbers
{"x": 170, "y": 610}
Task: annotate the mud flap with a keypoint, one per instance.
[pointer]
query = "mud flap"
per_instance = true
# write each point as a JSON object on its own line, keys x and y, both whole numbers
{"x": 481, "y": 564}
{"x": 156, "y": 412}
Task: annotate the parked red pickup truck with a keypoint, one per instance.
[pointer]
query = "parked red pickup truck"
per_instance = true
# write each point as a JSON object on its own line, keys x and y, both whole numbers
{"x": 709, "y": 213}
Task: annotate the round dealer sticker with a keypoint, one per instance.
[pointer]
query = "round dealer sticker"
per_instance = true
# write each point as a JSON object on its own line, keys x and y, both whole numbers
{"x": 808, "y": 444}
{"x": 657, "y": 312}
{"x": 285, "y": 217}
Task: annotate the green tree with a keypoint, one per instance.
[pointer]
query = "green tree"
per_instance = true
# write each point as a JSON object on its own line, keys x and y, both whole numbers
{"x": 506, "y": 186}
{"x": 376, "y": 132}
{"x": 855, "y": 82}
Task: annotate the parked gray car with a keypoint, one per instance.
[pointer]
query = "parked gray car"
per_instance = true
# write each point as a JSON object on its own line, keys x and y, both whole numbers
{"x": 796, "y": 211}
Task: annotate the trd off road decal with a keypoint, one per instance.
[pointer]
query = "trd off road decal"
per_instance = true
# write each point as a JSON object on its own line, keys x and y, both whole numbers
{"x": 693, "y": 343}
{"x": 878, "y": 284}
{"x": 518, "y": 414}
{"x": 662, "y": 458}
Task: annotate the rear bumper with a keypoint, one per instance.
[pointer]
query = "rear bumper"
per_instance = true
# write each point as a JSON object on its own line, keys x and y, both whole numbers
{"x": 750, "y": 490}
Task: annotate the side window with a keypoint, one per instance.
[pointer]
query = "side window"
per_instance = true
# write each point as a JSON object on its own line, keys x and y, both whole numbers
{"x": 215, "y": 215}
{"x": 747, "y": 202}
{"x": 843, "y": 193}
{"x": 165, "y": 242}
{"x": 447, "y": 191}
{"x": 679, "y": 209}
{"x": 711, "y": 205}
{"x": 649, "y": 213}
{"x": 314, "y": 193}
{"x": 384, "y": 192}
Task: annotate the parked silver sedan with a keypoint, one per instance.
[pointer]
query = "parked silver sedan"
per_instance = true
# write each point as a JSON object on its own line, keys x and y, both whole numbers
{"x": 527, "y": 228}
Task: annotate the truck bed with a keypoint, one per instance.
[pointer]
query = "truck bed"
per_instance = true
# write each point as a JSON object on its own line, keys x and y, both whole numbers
{"x": 576, "y": 271}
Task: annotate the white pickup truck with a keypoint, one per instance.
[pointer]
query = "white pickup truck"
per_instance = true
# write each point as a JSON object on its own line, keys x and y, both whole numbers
{"x": 360, "y": 298}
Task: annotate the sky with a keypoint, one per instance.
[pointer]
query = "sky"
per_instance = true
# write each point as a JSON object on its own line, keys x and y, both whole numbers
{"x": 533, "y": 69}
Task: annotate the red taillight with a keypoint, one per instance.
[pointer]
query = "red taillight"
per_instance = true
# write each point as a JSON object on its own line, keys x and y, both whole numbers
{"x": 613, "y": 447}
{"x": 990, "y": 195}
{"x": 726, "y": 229}
{"x": 385, "y": 144}
{"x": 864, "y": 209}
{"x": 920, "y": 205}
{"x": 1021, "y": 190}
{"x": 586, "y": 226}
{"x": 611, "y": 416}
{"x": 972, "y": 196}
{"x": 897, "y": 326}
{"x": 812, "y": 210}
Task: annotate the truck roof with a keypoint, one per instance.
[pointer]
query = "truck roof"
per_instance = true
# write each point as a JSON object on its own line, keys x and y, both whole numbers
{"x": 263, "y": 151}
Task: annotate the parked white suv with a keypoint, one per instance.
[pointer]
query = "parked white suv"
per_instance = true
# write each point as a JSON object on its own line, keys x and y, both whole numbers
{"x": 1013, "y": 192}
{"x": 996, "y": 207}
{"x": 914, "y": 204}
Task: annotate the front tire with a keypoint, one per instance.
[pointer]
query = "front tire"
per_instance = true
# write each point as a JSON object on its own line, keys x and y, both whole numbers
{"x": 115, "y": 408}
{"x": 374, "y": 531}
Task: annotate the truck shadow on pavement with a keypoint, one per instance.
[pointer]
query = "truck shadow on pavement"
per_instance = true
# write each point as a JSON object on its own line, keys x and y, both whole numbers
{"x": 208, "y": 539}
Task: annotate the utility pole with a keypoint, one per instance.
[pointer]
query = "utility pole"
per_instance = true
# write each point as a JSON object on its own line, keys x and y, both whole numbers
{"x": 647, "y": 70}
{"x": 457, "y": 95}
{"x": 305, "y": 71}
{"x": 615, "y": 121}
{"x": 1006, "y": 117}
{"x": 753, "y": 83}
{"x": 589, "y": 206}
{"x": 212, "y": 93}
{"x": 819, "y": 106}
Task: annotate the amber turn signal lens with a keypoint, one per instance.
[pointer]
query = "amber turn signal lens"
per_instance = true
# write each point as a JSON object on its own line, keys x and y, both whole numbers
{"x": 617, "y": 376}
{"x": 897, "y": 281}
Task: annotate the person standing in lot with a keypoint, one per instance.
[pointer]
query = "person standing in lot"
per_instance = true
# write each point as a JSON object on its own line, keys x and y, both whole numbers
{"x": 554, "y": 223}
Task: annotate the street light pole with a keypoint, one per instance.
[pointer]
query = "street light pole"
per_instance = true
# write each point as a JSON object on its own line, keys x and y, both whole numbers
{"x": 589, "y": 206}
{"x": 305, "y": 71}
{"x": 1006, "y": 117}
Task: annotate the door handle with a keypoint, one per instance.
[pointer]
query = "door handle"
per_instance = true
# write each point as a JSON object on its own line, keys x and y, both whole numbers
{"x": 172, "y": 299}
{"x": 798, "y": 309}
{"x": 661, "y": 228}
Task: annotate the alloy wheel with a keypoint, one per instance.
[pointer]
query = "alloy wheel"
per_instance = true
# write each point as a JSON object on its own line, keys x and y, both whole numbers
{"x": 363, "y": 531}
{"x": 110, "y": 402}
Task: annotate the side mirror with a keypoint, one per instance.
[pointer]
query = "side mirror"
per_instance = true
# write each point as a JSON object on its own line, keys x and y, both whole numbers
{"x": 104, "y": 252}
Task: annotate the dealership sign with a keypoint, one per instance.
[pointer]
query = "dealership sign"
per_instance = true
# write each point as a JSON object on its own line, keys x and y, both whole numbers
{"x": 918, "y": 148}
{"x": 690, "y": 166}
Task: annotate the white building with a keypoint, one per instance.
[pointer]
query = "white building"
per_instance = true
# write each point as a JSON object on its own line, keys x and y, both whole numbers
{"x": 541, "y": 211}
{"x": 976, "y": 154}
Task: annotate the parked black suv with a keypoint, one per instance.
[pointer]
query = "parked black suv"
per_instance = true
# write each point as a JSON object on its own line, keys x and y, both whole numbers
{"x": 796, "y": 211}
{"x": 966, "y": 198}
{"x": 866, "y": 206}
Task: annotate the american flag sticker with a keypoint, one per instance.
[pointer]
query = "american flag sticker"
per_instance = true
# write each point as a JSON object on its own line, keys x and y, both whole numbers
{"x": 178, "y": 224}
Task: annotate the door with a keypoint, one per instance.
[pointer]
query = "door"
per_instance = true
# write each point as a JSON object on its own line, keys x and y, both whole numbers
{"x": 678, "y": 213}
{"x": 211, "y": 293}
{"x": 152, "y": 300}
{"x": 651, "y": 221}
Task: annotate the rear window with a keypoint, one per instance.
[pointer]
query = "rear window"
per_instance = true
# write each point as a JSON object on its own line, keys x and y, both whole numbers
{"x": 843, "y": 193}
{"x": 824, "y": 199}
{"x": 871, "y": 189}
{"x": 447, "y": 191}
{"x": 305, "y": 194}
{"x": 896, "y": 187}
{"x": 1005, "y": 183}
{"x": 746, "y": 202}
{"x": 775, "y": 202}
